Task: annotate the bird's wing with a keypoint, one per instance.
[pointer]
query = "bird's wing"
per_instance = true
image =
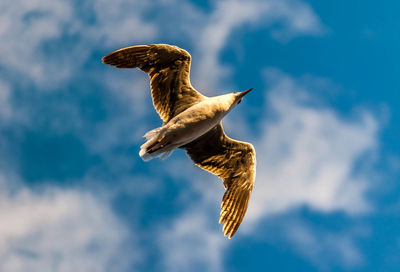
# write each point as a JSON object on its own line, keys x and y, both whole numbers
{"x": 168, "y": 67}
{"x": 234, "y": 162}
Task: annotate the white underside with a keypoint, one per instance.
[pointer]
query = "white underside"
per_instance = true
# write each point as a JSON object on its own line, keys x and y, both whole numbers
{"x": 182, "y": 129}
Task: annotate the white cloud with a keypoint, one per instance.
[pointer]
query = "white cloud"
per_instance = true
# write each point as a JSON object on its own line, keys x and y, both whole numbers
{"x": 28, "y": 27}
{"x": 5, "y": 103}
{"x": 214, "y": 35}
{"x": 191, "y": 245}
{"x": 193, "y": 240}
{"x": 25, "y": 25}
{"x": 294, "y": 17}
{"x": 298, "y": 18}
{"x": 325, "y": 249}
{"x": 307, "y": 154}
{"x": 120, "y": 22}
{"x": 60, "y": 230}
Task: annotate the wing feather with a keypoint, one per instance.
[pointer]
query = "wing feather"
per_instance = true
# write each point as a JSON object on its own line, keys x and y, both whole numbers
{"x": 169, "y": 70}
{"x": 234, "y": 162}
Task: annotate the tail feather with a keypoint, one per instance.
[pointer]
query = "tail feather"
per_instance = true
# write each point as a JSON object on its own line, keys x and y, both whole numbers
{"x": 165, "y": 155}
{"x": 153, "y": 138}
{"x": 146, "y": 156}
{"x": 150, "y": 134}
{"x": 158, "y": 154}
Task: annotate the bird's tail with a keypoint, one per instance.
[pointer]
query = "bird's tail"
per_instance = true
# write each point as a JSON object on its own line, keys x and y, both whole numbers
{"x": 153, "y": 147}
{"x": 150, "y": 134}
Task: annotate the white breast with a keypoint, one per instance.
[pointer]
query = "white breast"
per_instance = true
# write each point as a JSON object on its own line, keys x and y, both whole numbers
{"x": 194, "y": 122}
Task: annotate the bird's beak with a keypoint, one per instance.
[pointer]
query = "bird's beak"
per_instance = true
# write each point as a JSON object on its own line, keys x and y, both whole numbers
{"x": 245, "y": 92}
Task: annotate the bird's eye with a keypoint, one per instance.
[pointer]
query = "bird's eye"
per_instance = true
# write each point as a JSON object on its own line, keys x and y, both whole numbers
{"x": 239, "y": 101}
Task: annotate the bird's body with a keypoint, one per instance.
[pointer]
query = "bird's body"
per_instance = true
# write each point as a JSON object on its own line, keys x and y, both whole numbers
{"x": 193, "y": 121}
{"x": 187, "y": 126}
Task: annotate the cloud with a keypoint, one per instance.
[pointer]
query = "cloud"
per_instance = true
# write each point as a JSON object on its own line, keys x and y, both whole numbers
{"x": 121, "y": 22}
{"x": 297, "y": 18}
{"x": 48, "y": 42}
{"x": 192, "y": 239}
{"x": 288, "y": 19}
{"x": 25, "y": 26}
{"x": 60, "y": 230}
{"x": 191, "y": 245}
{"x": 308, "y": 154}
{"x": 5, "y": 101}
{"x": 325, "y": 249}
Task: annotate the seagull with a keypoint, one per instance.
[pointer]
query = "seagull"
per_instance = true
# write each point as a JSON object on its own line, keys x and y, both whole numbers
{"x": 192, "y": 121}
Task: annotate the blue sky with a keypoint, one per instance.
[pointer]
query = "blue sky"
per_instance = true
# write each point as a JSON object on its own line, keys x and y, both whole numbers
{"x": 323, "y": 117}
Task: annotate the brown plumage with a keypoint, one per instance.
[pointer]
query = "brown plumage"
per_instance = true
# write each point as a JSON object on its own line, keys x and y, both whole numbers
{"x": 168, "y": 68}
{"x": 233, "y": 161}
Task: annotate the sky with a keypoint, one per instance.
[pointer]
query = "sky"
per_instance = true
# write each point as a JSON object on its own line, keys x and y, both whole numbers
{"x": 323, "y": 117}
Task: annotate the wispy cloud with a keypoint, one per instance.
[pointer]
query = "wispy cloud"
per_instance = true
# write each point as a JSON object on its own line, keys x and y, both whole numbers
{"x": 192, "y": 239}
{"x": 307, "y": 155}
{"x": 5, "y": 103}
{"x": 60, "y": 230}
{"x": 25, "y": 26}
{"x": 191, "y": 244}
{"x": 290, "y": 19}
{"x": 47, "y": 41}
{"x": 325, "y": 249}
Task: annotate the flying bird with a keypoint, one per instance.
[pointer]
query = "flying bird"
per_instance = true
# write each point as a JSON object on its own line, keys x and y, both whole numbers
{"x": 192, "y": 121}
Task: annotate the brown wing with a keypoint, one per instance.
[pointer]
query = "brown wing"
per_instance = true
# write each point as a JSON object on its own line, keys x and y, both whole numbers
{"x": 168, "y": 67}
{"x": 234, "y": 162}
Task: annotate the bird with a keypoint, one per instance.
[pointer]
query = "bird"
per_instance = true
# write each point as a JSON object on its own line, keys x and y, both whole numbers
{"x": 192, "y": 121}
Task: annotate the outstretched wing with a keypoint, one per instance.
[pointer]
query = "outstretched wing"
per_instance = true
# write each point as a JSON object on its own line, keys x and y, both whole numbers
{"x": 234, "y": 162}
{"x": 168, "y": 67}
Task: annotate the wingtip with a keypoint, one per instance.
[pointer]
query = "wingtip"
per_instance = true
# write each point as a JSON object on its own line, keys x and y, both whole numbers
{"x": 104, "y": 59}
{"x": 229, "y": 234}
{"x": 110, "y": 59}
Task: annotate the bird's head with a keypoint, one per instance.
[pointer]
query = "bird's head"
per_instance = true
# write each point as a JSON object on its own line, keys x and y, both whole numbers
{"x": 230, "y": 100}
{"x": 239, "y": 96}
